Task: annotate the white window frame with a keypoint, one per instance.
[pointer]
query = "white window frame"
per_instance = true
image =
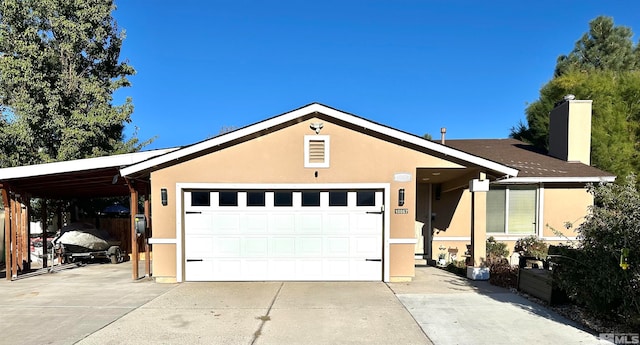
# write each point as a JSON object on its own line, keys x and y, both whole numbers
{"x": 538, "y": 216}
{"x": 327, "y": 150}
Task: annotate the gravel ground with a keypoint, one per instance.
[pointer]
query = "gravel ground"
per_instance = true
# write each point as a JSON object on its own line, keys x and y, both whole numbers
{"x": 580, "y": 316}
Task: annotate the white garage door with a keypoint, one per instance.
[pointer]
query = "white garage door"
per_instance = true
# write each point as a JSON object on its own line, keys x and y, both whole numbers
{"x": 245, "y": 235}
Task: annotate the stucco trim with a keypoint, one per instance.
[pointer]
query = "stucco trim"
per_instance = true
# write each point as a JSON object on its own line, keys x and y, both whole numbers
{"x": 451, "y": 238}
{"x": 403, "y": 240}
{"x": 181, "y": 186}
{"x": 163, "y": 241}
{"x": 206, "y": 145}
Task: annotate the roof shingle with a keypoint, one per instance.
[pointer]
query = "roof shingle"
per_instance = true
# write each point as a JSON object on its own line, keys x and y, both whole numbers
{"x": 529, "y": 160}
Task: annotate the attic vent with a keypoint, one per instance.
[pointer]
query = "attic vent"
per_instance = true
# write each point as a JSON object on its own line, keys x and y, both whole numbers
{"x": 316, "y": 151}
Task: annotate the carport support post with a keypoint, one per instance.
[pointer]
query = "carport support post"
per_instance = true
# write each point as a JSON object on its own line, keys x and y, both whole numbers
{"x": 15, "y": 227}
{"x": 147, "y": 249}
{"x": 7, "y": 230}
{"x": 43, "y": 214}
{"x": 134, "y": 236}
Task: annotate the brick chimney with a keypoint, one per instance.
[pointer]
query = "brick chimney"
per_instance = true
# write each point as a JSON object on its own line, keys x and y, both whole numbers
{"x": 570, "y": 130}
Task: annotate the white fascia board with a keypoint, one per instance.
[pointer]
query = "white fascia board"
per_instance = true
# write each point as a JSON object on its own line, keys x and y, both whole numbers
{"x": 79, "y": 164}
{"x": 522, "y": 180}
{"x": 312, "y": 108}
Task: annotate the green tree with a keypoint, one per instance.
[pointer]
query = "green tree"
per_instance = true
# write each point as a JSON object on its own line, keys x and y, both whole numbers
{"x": 603, "y": 67}
{"x": 59, "y": 67}
{"x": 615, "y": 124}
{"x": 604, "y": 47}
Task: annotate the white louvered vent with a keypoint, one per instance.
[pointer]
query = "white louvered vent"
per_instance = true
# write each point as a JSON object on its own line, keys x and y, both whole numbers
{"x": 316, "y": 151}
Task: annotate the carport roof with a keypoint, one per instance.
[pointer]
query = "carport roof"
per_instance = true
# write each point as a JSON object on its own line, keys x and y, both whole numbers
{"x": 91, "y": 177}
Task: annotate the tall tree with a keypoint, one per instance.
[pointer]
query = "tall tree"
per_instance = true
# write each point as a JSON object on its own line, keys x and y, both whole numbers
{"x": 604, "y": 47}
{"x": 605, "y": 68}
{"x": 59, "y": 67}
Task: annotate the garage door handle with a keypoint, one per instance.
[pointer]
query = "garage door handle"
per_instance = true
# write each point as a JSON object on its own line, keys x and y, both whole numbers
{"x": 374, "y": 212}
{"x": 193, "y": 212}
{"x": 192, "y": 260}
{"x": 372, "y": 259}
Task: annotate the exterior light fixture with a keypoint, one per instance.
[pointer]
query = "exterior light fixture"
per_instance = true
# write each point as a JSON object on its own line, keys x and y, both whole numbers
{"x": 164, "y": 197}
{"x": 401, "y": 197}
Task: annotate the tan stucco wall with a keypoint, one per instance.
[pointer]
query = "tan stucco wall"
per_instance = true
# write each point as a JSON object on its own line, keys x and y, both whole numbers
{"x": 453, "y": 214}
{"x": 400, "y": 255}
{"x": 563, "y": 205}
{"x": 560, "y": 205}
{"x": 278, "y": 157}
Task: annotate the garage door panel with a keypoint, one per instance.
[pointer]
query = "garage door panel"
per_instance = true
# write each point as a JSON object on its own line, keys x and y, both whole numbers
{"x": 282, "y": 223}
{"x": 255, "y": 247}
{"x": 337, "y": 223}
{"x": 199, "y": 270}
{"x": 254, "y": 223}
{"x": 364, "y": 223}
{"x": 283, "y": 243}
{"x": 310, "y": 224}
{"x": 362, "y": 270}
{"x": 281, "y": 269}
{"x": 226, "y": 247}
{"x": 282, "y": 246}
{"x": 309, "y": 269}
{"x": 308, "y": 247}
{"x": 199, "y": 223}
{"x": 368, "y": 247}
{"x": 226, "y": 223}
{"x": 199, "y": 246}
{"x": 256, "y": 269}
{"x": 337, "y": 246}
{"x": 337, "y": 269}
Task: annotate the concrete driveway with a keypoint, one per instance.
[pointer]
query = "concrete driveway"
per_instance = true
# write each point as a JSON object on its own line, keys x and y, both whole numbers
{"x": 100, "y": 304}
{"x": 455, "y": 310}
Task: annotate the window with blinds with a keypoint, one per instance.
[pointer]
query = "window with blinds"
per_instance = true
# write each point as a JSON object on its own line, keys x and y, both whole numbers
{"x": 316, "y": 151}
{"x": 512, "y": 210}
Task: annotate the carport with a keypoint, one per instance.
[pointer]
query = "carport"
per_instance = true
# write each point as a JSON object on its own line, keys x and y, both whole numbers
{"x": 83, "y": 178}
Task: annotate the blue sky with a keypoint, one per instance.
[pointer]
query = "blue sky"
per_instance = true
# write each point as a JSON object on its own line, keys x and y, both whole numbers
{"x": 470, "y": 66}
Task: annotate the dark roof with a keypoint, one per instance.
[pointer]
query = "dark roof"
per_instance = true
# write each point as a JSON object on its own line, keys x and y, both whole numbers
{"x": 529, "y": 160}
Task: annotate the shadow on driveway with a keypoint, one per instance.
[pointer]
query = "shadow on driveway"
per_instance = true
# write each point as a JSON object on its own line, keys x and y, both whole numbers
{"x": 455, "y": 310}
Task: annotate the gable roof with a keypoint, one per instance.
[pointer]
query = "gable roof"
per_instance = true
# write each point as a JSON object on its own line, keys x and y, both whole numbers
{"x": 254, "y": 130}
{"x": 533, "y": 164}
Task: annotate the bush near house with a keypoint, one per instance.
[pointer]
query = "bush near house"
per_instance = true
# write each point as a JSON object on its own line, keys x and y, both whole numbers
{"x": 501, "y": 273}
{"x": 592, "y": 274}
{"x": 531, "y": 246}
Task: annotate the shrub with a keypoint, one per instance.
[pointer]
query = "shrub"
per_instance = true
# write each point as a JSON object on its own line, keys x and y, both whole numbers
{"x": 457, "y": 267}
{"x": 591, "y": 275}
{"x": 503, "y": 274}
{"x": 496, "y": 251}
{"x": 531, "y": 246}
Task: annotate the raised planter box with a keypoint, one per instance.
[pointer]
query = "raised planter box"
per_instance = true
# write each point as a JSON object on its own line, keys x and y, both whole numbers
{"x": 539, "y": 283}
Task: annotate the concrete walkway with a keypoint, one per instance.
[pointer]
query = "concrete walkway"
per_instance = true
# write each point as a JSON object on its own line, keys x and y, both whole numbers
{"x": 455, "y": 310}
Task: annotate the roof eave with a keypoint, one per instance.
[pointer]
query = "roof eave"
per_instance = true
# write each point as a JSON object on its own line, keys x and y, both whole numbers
{"x": 524, "y": 180}
{"x": 54, "y": 168}
{"x": 309, "y": 109}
